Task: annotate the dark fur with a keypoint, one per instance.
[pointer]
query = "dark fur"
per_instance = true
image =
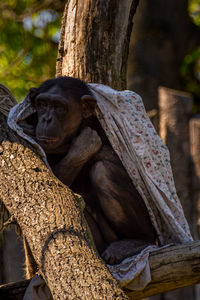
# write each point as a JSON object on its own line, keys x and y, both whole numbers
{"x": 80, "y": 90}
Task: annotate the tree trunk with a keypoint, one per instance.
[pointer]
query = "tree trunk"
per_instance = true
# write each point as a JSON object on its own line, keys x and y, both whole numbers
{"x": 51, "y": 219}
{"x": 95, "y": 41}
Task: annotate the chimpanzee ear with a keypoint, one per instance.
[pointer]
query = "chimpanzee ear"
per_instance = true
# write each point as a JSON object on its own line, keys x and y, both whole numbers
{"x": 32, "y": 94}
{"x": 89, "y": 104}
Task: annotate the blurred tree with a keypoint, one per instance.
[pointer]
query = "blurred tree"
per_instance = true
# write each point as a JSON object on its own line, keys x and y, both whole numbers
{"x": 164, "y": 41}
{"x": 190, "y": 69}
{"x": 190, "y": 76}
{"x": 28, "y": 42}
{"x": 194, "y": 11}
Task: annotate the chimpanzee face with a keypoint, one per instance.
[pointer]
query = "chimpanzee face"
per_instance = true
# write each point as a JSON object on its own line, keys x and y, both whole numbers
{"x": 60, "y": 116}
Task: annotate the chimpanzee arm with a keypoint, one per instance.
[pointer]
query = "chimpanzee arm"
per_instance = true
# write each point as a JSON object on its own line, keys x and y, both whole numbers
{"x": 83, "y": 147}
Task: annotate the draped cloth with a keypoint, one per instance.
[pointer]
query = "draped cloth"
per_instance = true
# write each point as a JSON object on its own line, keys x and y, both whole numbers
{"x": 146, "y": 160}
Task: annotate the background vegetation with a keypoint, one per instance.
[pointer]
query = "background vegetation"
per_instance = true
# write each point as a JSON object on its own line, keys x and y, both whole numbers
{"x": 190, "y": 70}
{"x": 28, "y": 42}
{"x": 29, "y": 36}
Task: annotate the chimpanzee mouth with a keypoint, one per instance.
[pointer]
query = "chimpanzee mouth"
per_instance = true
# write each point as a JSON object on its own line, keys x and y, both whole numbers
{"x": 47, "y": 140}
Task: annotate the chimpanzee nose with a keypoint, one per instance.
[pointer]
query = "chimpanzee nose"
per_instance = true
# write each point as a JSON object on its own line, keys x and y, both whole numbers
{"x": 47, "y": 118}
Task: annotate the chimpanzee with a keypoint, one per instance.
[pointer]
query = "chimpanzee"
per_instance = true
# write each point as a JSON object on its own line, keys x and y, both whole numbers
{"x": 80, "y": 155}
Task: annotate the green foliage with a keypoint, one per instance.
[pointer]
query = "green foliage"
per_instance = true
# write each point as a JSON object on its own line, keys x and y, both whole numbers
{"x": 194, "y": 10}
{"x": 190, "y": 69}
{"x": 28, "y": 42}
{"x": 190, "y": 73}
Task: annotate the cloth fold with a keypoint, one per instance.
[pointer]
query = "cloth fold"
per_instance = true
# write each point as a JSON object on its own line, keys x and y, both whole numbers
{"x": 146, "y": 160}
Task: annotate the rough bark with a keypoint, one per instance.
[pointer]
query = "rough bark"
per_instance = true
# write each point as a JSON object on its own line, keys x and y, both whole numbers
{"x": 173, "y": 267}
{"x": 95, "y": 40}
{"x": 51, "y": 219}
{"x": 158, "y": 47}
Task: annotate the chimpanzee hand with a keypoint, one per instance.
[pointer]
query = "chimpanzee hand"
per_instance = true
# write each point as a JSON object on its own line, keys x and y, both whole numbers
{"x": 85, "y": 145}
{"x": 82, "y": 148}
{"x": 119, "y": 250}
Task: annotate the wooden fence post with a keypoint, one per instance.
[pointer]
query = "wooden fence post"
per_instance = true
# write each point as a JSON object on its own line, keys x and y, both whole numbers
{"x": 174, "y": 113}
{"x": 174, "y": 110}
{"x": 194, "y": 126}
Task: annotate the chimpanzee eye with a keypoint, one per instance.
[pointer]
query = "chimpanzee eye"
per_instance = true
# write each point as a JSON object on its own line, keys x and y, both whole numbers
{"x": 42, "y": 104}
{"x": 60, "y": 108}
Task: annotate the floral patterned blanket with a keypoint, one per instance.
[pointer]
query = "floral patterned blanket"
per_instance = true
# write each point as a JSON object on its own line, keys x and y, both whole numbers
{"x": 147, "y": 161}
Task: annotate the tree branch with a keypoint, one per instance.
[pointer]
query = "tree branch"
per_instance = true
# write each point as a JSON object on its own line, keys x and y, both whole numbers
{"x": 51, "y": 218}
{"x": 171, "y": 268}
